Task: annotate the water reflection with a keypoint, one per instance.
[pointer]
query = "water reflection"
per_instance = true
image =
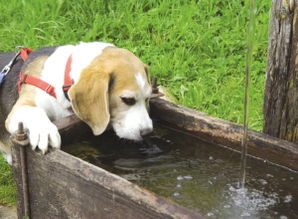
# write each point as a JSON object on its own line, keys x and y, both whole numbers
{"x": 200, "y": 176}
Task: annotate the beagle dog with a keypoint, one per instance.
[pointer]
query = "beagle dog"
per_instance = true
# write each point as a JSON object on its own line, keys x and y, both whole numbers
{"x": 110, "y": 86}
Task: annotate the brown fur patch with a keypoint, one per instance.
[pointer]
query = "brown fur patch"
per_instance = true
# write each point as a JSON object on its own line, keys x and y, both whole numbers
{"x": 90, "y": 97}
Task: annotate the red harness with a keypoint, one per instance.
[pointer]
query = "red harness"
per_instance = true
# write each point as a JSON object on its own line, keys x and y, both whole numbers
{"x": 27, "y": 79}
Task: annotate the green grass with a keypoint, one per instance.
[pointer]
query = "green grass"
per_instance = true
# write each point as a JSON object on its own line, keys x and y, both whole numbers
{"x": 196, "y": 48}
{"x": 7, "y": 185}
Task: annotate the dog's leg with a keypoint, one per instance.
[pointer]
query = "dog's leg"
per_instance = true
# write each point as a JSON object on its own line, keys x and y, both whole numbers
{"x": 42, "y": 132}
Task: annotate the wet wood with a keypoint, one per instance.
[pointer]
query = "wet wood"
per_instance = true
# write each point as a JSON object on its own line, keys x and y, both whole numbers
{"x": 281, "y": 89}
{"x": 214, "y": 130}
{"x": 225, "y": 133}
{"x": 63, "y": 186}
{"x": 17, "y": 173}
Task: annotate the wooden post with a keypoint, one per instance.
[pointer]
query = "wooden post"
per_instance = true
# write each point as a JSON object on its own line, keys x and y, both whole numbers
{"x": 281, "y": 93}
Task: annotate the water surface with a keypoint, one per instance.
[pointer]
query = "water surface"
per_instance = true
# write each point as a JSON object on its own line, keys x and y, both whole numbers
{"x": 196, "y": 174}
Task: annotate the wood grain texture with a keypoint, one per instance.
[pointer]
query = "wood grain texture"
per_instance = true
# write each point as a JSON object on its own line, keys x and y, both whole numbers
{"x": 225, "y": 133}
{"x": 17, "y": 173}
{"x": 281, "y": 94}
{"x": 63, "y": 186}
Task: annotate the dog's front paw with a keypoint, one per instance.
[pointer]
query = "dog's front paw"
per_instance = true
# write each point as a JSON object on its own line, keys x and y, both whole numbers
{"x": 42, "y": 132}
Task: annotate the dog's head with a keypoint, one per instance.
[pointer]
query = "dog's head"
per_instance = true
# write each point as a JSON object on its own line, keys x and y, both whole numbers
{"x": 114, "y": 89}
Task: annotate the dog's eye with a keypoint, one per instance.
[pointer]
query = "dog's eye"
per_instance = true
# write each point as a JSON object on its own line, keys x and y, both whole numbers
{"x": 128, "y": 100}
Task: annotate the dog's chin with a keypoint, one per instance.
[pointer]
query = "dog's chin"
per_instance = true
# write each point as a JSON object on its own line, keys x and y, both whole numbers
{"x": 129, "y": 136}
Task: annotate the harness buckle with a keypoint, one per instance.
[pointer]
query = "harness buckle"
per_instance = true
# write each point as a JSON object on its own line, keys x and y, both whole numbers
{"x": 66, "y": 87}
{"x": 49, "y": 89}
{"x": 5, "y": 70}
{"x": 7, "y": 67}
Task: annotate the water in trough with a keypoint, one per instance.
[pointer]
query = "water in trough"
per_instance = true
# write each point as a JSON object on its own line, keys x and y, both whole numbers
{"x": 196, "y": 174}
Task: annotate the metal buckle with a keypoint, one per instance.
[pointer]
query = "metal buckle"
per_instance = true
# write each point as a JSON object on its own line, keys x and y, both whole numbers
{"x": 7, "y": 67}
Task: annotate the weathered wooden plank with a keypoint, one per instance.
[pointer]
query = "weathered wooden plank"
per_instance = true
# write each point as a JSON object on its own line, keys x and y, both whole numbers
{"x": 222, "y": 132}
{"x": 62, "y": 186}
{"x": 17, "y": 173}
{"x": 289, "y": 121}
{"x": 281, "y": 88}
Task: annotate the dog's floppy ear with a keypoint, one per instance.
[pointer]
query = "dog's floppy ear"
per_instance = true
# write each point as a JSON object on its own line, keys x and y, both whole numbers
{"x": 90, "y": 100}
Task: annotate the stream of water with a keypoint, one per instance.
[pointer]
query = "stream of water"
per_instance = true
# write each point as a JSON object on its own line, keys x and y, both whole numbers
{"x": 248, "y": 63}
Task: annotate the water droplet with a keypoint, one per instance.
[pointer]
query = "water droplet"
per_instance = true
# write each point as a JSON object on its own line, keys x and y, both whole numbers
{"x": 188, "y": 177}
{"x": 232, "y": 189}
{"x": 263, "y": 182}
{"x": 176, "y": 194}
{"x": 179, "y": 178}
{"x": 288, "y": 198}
{"x": 211, "y": 158}
{"x": 209, "y": 214}
{"x": 245, "y": 214}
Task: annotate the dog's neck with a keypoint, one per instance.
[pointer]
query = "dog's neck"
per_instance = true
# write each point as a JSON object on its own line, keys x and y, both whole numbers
{"x": 53, "y": 73}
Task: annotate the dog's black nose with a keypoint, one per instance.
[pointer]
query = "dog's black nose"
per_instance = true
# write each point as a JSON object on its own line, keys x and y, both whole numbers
{"x": 145, "y": 132}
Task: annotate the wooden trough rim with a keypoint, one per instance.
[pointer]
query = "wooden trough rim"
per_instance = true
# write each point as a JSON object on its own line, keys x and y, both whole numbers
{"x": 217, "y": 131}
{"x": 114, "y": 183}
{"x": 205, "y": 127}
{"x": 228, "y": 134}
{"x": 120, "y": 186}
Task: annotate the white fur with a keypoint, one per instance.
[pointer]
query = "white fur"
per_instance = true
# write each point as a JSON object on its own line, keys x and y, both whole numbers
{"x": 53, "y": 73}
{"x": 42, "y": 132}
{"x": 144, "y": 87}
{"x": 130, "y": 122}
{"x": 141, "y": 82}
{"x": 133, "y": 120}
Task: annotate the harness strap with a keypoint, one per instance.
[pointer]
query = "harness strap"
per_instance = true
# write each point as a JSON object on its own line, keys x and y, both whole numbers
{"x": 68, "y": 82}
{"x": 27, "y": 79}
{"x": 25, "y": 52}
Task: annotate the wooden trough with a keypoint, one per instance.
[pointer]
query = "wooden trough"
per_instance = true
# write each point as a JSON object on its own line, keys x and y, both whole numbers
{"x": 63, "y": 186}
